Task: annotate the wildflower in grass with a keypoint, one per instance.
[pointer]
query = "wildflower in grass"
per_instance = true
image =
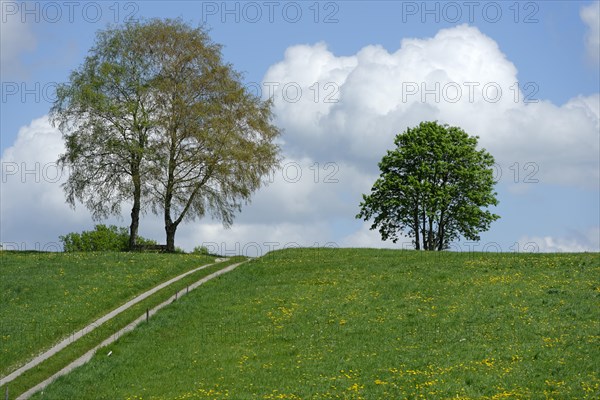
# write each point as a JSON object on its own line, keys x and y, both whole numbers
{"x": 355, "y": 387}
{"x": 426, "y": 384}
{"x": 505, "y": 395}
{"x": 243, "y": 360}
{"x": 488, "y": 362}
{"x": 276, "y": 395}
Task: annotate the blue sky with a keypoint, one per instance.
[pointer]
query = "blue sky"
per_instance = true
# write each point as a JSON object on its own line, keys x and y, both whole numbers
{"x": 375, "y": 61}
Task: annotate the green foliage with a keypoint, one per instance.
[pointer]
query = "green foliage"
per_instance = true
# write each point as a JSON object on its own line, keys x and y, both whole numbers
{"x": 155, "y": 116}
{"x": 142, "y": 241}
{"x": 102, "y": 238}
{"x": 104, "y": 114}
{"x": 433, "y": 187}
{"x": 213, "y": 140}
{"x": 202, "y": 250}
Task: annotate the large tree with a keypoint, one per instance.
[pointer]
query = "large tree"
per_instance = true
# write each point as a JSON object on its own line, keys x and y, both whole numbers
{"x": 105, "y": 113}
{"x": 155, "y": 116}
{"x": 435, "y": 186}
{"x": 215, "y": 142}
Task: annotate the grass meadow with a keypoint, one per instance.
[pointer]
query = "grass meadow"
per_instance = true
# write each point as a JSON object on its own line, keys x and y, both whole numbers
{"x": 46, "y": 296}
{"x": 365, "y": 324}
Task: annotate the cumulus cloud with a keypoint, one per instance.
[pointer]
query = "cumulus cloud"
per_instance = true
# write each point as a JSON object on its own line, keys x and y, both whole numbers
{"x": 459, "y": 77}
{"x": 578, "y": 241}
{"x": 33, "y": 206}
{"x": 590, "y": 15}
{"x": 16, "y": 39}
{"x": 367, "y": 238}
{"x": 255, "y": 239}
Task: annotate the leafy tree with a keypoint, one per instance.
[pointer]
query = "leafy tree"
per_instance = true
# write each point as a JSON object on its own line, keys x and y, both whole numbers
{"x": 433, "y": 187}
{"x": 154, "y": 116}
{"x": 214, "y": 144}
{"x": 105, "y": 113}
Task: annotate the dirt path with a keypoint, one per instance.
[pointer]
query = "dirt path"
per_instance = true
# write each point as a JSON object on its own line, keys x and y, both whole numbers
{"x": 87, "y": 356}
{"x": 89, "y": 328}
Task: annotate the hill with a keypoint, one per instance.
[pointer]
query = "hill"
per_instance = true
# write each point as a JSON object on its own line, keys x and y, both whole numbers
{"x": 365, "y": 324}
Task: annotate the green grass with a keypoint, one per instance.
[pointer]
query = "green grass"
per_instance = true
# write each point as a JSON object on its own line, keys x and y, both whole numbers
{"x": 75, "y": 350}
{"x": 370, "y": 324}
{"x": 46, "y": 296}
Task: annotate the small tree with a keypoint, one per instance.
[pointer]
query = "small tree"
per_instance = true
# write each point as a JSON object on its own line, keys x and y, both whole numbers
{"x": 433, "y": 187}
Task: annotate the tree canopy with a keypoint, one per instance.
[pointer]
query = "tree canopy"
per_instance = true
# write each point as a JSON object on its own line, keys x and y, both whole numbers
{"x": 106, "y": 113}
{"x": 434, "y": 187}
{"x": 216, "y": 140}
{"x": 154, "y": 116}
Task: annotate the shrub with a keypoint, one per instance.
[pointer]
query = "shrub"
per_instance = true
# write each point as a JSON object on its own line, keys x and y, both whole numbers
{"x": 102, "y": 238}
{"x": 202, "y": 250}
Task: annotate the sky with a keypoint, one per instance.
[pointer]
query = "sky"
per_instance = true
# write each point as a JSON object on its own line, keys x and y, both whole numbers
{"x": 346, "y": 77}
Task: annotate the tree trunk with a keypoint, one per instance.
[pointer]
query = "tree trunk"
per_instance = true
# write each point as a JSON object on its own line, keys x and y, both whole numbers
{"x": 170, "y": 226}
{"x": 416, "y": 219}
{"x": 430, "y": 243}
{"x": 170, "y": 229}
{"x": 133, "y": 228}
{"x": 135, "y": 210}
{"x": 441, "y": 233}
{"x": 423, "y": 228}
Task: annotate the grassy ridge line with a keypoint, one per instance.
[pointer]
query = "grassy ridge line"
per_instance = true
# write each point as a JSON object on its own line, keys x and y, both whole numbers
{"x": 131, "y": 326}
{"x": 89, "y": 328}
{"x": 366, "y": 324}
{"x": 45, "y": 297}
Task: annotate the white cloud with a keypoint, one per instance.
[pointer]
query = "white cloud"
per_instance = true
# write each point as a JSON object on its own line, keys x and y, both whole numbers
{"x": 254, "y": 239}
{"x": 16, "y": 38}
{"x": 590, "y": 15}
{"x": 33, "y": 209}
{"x": 459, "y": 77}
{"x": 588, "y": 240}
{"x": 365, "y": 237}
